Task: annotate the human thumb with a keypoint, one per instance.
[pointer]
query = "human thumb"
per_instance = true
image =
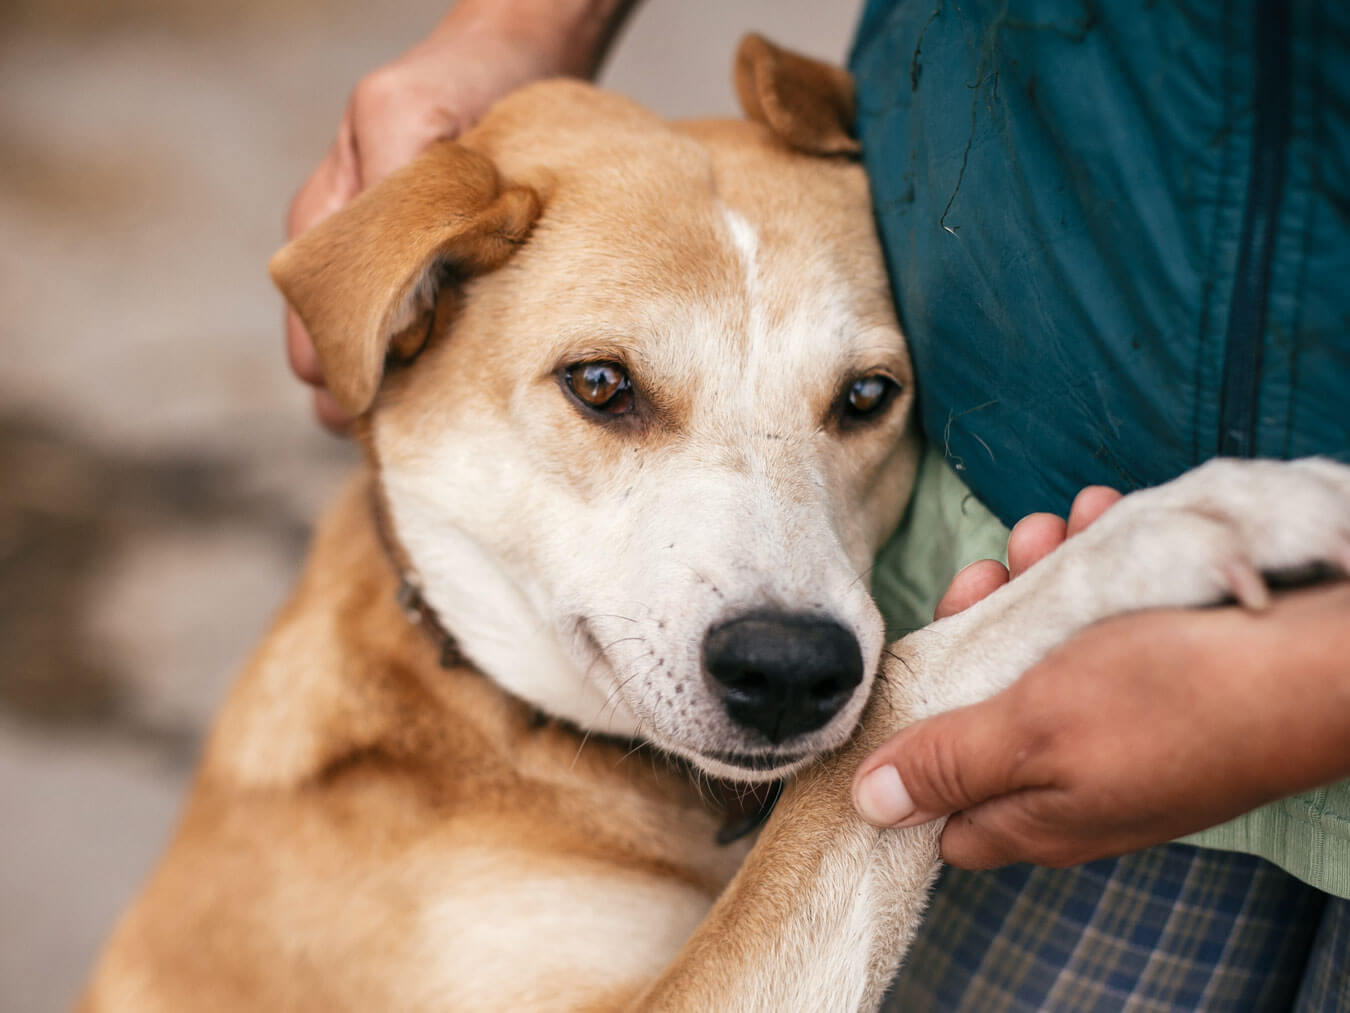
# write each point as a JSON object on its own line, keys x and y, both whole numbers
{"x": 938, "y": 766}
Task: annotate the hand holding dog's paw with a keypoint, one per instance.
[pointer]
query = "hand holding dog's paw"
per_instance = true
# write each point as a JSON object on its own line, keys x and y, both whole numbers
{"x": 1137, "y": 731}
{"x": 1150, "y": 725}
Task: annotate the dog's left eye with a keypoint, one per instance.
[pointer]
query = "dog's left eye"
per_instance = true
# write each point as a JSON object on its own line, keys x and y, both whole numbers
{"x": 601, "y": 386}
{"x": 868, "y": 396}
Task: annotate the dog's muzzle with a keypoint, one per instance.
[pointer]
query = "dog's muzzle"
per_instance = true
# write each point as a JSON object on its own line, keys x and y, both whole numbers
{"x": 782, "y": 675}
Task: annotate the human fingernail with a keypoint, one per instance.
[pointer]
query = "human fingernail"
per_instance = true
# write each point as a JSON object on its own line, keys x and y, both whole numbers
{"x": 882, "y": 799}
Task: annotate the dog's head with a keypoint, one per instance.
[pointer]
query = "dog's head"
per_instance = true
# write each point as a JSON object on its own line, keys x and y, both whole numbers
{"x": 656, "y": 425}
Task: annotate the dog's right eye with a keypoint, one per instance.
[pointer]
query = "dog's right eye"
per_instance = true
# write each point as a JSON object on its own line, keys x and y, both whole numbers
{"x": 866, "y": 399}
{"x": 601, "y": 386}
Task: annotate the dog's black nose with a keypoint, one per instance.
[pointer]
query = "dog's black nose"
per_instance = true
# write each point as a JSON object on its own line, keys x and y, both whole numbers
{"x": 783, "y": 675}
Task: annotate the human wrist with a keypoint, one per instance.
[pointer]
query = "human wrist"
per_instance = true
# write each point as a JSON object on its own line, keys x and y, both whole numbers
{"x": 1285, "y": 689}
{"x": 567, "y": 37}
{"x": 1306, "y": 645}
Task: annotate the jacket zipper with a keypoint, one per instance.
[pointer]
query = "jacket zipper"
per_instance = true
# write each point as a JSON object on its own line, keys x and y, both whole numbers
{"x": 1272, "y": 93}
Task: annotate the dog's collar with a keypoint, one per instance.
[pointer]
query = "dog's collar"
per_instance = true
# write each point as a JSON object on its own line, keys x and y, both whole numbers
{"x": 409, "y": 596}
{"x": 746, "y": 809}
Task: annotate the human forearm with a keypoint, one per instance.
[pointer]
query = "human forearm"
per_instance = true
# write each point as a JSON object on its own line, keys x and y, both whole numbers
{"x": 570, "y": 35}
{"x": 1295, "y": 683}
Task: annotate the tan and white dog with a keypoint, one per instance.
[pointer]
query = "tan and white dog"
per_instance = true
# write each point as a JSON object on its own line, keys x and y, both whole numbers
{"x": 637, "y": 415}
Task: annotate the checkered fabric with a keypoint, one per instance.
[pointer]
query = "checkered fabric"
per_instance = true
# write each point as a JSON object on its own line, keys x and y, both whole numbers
{"x": 1326, "y": 982}
{"x": 1172, "y": 928}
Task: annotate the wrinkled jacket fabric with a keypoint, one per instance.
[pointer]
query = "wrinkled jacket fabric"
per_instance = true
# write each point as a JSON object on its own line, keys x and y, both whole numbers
{"x": 1119, "y": 237}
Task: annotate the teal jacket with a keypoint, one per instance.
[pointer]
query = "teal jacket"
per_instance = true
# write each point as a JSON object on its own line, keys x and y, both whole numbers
{"x": 1119, "y": 236}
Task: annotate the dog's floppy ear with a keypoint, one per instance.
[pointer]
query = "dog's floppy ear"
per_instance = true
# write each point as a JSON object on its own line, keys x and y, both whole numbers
{"x": 807, "y": 103}
{"x": 364, "y": 280}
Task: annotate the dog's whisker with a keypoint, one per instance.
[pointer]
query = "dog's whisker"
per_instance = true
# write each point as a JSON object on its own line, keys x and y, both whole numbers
{"x": 863, "y": 575}
{"x": 621, "y": 640}
{"x": 600, "y": 656}
{"x": 704, "y": 578}
{"x": 895, "y": 657}
{"x": 615, "y": 691}
{"x": 639, "y": 741}
{"x": 612, "y": 700}
{"x": 585, "y": 738}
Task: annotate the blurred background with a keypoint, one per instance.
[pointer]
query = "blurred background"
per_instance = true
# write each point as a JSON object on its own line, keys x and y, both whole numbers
{"x": 159, "y": 467}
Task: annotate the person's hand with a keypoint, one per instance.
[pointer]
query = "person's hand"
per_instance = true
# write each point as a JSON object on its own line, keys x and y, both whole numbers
{"x": 1137, "y": 731}
{"x": 439, "y": 88}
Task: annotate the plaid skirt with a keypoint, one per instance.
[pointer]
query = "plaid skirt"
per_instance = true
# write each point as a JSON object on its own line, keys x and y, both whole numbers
{"x": 1171, "y": 928}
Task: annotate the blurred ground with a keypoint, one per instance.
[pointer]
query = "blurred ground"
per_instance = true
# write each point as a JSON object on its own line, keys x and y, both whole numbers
{"x": 158, "y": 466}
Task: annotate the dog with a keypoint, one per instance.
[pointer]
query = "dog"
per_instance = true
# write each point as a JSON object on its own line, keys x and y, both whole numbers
{"x": 637, "y": 415}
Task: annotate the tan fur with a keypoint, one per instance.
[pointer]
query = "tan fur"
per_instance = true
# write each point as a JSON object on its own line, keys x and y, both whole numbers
{"x": 371, "y": 831}
{"x": 359, "y": 294}
{"x": 808, "y": 103}
{"x": 352, "y": 786}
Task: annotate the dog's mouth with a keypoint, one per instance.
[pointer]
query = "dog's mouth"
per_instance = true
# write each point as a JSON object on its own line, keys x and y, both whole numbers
{"x": 758, "y": 762}
{"x": 701, "y": 734}
{"x": 747, "y": 768}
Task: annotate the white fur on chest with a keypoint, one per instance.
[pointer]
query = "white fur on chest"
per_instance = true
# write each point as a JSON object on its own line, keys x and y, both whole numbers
{"x": 512, "y": 934}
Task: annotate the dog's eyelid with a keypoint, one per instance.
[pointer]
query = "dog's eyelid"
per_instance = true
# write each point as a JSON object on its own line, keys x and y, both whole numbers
{"x": 575, "y": 353}
{"x": 569, "y": 350}
{"x": 883, "y": 370}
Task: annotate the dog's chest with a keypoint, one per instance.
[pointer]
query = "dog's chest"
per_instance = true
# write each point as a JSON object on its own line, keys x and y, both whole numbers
{"x": 511, "y": 928}
{"x": 573, "y": 876}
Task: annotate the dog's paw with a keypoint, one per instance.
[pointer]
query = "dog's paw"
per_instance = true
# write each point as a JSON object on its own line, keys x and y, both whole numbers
{"x": 1218, "y": 532}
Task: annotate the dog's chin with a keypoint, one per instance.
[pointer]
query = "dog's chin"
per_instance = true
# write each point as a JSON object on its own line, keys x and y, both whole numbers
{"x": 727, "y": 759}
{"x": 743, "y": 768}
{"x": 756, "y": 769}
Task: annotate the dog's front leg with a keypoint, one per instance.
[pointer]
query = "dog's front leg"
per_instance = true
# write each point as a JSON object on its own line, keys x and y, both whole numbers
{"x": 817, "y": 917}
